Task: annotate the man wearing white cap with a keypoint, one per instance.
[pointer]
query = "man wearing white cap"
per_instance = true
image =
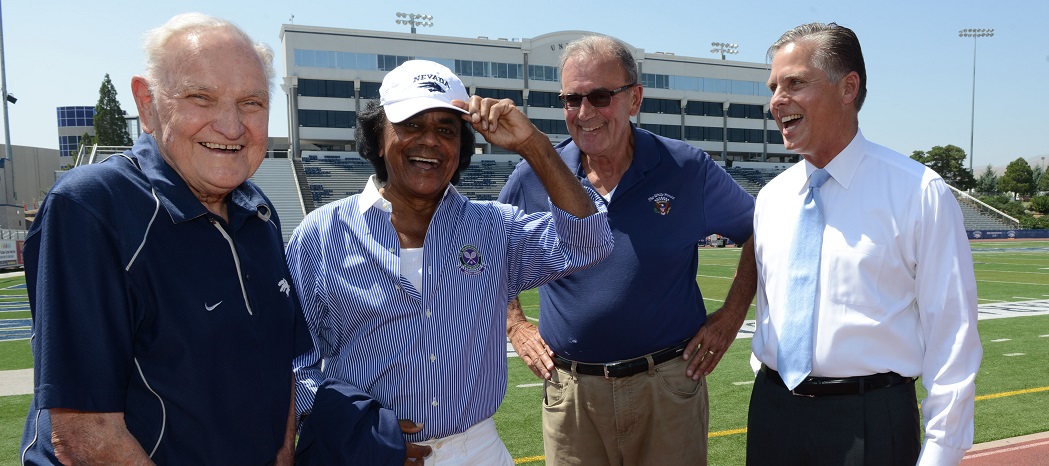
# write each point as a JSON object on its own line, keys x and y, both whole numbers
{"x": 405, "y": 286}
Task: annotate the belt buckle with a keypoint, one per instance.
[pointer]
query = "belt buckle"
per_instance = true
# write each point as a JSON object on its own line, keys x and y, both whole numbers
{"x": 612, "y": 365}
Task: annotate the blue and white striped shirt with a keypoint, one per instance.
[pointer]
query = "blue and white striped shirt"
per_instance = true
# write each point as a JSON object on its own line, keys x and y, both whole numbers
{"x": 436, "y": 356}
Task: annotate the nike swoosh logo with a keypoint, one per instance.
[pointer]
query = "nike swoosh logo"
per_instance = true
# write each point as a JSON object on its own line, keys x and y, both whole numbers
{"x": 212, "y": 307}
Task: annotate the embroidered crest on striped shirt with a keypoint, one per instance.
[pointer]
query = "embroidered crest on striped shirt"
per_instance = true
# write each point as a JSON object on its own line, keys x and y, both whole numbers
{"x": 470, "y": 260}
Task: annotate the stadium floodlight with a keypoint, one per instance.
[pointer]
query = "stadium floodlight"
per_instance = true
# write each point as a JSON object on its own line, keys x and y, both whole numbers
{"x": 724, "y": 48}
{"x": 414, "y": 20}
{"x": 975, "y": 34}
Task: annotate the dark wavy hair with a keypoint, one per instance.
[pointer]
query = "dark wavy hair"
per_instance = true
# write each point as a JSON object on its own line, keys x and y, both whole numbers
{"x": 370, "y": 125}
{"x": 837, "y": 52}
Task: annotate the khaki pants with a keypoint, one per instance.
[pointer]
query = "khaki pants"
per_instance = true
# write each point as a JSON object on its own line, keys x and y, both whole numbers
{"x": 659, "y": 417}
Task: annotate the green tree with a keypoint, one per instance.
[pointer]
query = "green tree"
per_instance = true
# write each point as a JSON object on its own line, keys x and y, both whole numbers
{"x": 949, "y": 162}
{"x": 1036, "y": 176}
{"x": 1043, "y": 183}
{"x": 1040, "y": 204}
{"x": 1005, "y": 204}
{"x": 1017, "y": 178}
{"x": 110, "y": 125}
{"x": 988, "y": 182}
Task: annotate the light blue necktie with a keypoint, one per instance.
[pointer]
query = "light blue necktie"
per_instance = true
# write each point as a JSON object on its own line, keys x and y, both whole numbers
{"x": 794, "y": 359}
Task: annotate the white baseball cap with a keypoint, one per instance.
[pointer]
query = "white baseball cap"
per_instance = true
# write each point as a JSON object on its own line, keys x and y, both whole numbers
{"x": 419, "y": 85}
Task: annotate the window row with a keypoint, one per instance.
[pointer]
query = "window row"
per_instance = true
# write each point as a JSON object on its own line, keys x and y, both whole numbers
{"x": 325, "y": 88}
{"x": 76, "y": 116}
{"x": 544, "y": 73}
{"x": 68, "y": 145}
{"x": 516, "y": 96}
{"x": 549, "y": 127}
{"x": 378, "y": 62}
{"x": 709, "y": 133}
{"x": 327, "y": 119}
{"x": 489, "y": 69}
{"x": 673, "y": 107}
{"x": 714, "y": 85}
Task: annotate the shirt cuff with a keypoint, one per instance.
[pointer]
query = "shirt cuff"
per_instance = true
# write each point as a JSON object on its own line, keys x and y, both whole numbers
{"x": 589, "y": 232}
{"x": 934, "y": 454}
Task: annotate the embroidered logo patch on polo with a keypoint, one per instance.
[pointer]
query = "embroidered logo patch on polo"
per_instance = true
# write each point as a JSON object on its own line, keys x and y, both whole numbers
{"x": 470, "y": 260}
{"x": 661, "y": 203}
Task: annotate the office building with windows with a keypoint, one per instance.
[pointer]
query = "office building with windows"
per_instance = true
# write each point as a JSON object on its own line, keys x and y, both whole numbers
{"x": 73, "y": 123}
{"x": 718, "y": 105}
{"x": 76, "y": 121}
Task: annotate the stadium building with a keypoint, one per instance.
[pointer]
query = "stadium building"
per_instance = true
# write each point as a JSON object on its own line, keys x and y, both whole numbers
{"x": 720, "y": 106}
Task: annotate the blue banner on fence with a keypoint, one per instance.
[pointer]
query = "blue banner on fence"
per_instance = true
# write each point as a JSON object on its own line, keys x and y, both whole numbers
{"x": 1007, "y": 234}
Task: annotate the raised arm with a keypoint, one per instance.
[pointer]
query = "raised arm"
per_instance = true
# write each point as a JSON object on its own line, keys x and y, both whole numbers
{"x": 502, "y": 124}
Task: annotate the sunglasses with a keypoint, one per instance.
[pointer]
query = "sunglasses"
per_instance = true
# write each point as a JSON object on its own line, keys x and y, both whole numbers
{"x": 599, "y": 98}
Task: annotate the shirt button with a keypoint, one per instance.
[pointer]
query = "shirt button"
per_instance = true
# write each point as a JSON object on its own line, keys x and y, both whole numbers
{"x": 434, "y": 402}
{"x": 391, "y": 249}
{"x": 433, "y": 357}
{"x": 397, "y": 287}
{"x": 429, "y": 313}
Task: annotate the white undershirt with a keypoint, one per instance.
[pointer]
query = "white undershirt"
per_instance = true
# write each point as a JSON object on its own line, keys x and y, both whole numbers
{"x": 412, "y": 266}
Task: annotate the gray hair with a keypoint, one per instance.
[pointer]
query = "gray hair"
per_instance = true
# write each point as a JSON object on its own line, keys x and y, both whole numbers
{"x": 596, "y": 45}
{"x": 837, "y": 52}
{"x": 156, "y": 42}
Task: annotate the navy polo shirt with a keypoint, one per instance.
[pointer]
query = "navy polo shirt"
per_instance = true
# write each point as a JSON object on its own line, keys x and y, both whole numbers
{"x": 145, "y": 303}
{"x": 643, "y": 297}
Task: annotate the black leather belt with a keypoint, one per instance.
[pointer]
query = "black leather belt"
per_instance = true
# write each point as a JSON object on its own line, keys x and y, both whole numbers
{"x": 828, "y": 386}
{"x": 618, "y": 369}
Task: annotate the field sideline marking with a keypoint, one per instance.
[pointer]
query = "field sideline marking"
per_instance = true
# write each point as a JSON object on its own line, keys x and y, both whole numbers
{"x": 725, "y": 433}
{"x": 1012, "y": 393}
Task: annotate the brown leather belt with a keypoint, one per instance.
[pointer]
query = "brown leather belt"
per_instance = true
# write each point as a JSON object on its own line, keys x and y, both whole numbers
{"x": 619, "y": 369}
{"x": 829, "y": 386}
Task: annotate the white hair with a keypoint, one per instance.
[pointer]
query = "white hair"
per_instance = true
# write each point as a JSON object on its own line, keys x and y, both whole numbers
{"x": 156, "y": 41}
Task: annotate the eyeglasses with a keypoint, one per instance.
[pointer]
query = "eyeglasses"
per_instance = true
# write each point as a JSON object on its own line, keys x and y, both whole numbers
{"x": 599, "y": 98}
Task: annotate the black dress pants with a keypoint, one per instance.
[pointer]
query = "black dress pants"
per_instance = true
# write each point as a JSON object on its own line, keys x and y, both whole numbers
{"x": 876, "y": 428}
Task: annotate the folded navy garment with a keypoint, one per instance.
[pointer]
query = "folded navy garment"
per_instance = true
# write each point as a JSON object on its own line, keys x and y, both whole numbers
{"x": 347, "y": 426}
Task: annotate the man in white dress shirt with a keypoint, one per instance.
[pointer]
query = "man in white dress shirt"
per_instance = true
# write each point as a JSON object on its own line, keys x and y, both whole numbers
{"x": 895, "y": 295}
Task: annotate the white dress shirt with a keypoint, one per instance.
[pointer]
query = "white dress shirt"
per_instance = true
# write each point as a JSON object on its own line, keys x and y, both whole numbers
{"x": 896, "y": 288}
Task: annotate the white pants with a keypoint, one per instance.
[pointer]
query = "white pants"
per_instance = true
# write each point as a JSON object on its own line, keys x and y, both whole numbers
{"x": 480, "y": 445}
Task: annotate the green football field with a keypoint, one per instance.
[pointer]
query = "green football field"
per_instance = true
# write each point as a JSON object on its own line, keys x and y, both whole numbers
{"x": 1012, "y": 387}
{"x": 1013, "y": 377}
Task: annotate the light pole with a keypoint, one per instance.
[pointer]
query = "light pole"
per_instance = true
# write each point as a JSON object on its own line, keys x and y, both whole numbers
{"x": 724, "y": 48}
{"x": 975, "y": 34}
{"x": 3, "y": 93}
{"x": 415, "y": 19}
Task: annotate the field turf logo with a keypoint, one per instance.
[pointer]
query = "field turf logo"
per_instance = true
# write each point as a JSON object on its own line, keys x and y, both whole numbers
{"x": 661, "y": 203}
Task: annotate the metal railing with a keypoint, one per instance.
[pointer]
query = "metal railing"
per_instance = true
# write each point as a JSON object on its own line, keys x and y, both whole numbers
{"x": 95, "y": 154}
{"x": 984, "y": 208}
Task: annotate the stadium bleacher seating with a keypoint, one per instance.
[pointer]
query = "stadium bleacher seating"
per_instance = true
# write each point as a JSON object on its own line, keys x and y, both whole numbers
{"x": 333, "y": 176}
{"x": 276, "y": 178}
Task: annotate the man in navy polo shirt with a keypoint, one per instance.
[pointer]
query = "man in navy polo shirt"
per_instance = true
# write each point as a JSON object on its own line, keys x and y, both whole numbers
{"x": 622, "y": 335}
{"x": 176, "y": 345}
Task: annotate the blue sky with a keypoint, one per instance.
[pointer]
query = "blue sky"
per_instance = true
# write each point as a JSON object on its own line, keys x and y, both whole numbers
{"x": 919, "y": 70}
